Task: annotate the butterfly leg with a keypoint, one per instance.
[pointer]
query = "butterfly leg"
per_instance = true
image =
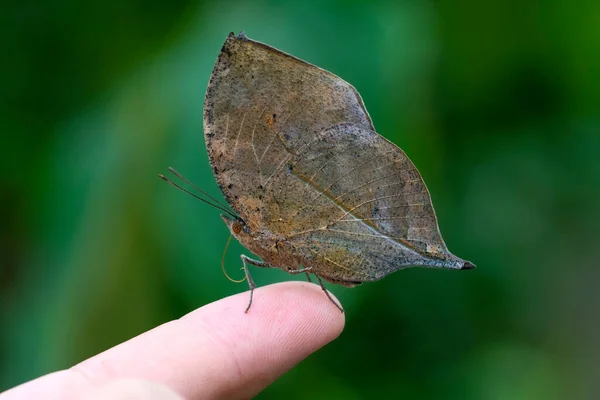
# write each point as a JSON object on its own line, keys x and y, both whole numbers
{"x": 299, "y": 271}
{"x": 328, "y": 295}
{"x": 245, "y": 262}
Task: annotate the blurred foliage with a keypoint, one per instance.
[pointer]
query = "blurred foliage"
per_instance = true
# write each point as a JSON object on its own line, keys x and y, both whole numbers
{"x": 496, "y": 103}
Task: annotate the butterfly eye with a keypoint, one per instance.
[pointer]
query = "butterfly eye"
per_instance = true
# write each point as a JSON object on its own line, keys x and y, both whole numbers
{"x": 236, "y": 227}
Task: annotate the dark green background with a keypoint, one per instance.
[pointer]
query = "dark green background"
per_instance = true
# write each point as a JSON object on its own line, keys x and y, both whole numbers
{"x": 497, "y": 104}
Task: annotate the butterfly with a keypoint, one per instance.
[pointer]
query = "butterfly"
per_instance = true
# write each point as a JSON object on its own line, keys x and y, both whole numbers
{"x": 313, "y": 188}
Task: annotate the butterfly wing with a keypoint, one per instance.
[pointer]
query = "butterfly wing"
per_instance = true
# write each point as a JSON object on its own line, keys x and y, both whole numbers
{"x": 255, "y": 96}
{"x": 295, "y": 153}
{"x": 355, "y": 207}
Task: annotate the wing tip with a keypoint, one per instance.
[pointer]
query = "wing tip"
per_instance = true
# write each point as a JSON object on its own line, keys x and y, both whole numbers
{"x": 467, "y": 265}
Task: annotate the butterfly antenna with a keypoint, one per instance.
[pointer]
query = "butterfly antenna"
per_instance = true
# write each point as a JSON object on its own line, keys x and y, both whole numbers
{"x": 223, "y": 263}
{"x": 218, "y": 206}
{"x": 177, "y": 174}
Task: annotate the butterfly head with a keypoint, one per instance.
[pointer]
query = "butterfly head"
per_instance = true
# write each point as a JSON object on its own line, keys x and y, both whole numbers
{"x": 236, "y": 226}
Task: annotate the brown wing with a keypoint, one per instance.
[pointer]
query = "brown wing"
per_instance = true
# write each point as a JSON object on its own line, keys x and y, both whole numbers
{"x": 256, "y": 95}
{"x": 295, "y": 154}
{"x": 355, "y": 207}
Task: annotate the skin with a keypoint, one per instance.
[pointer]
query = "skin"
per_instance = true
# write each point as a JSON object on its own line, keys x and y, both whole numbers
{"x": 214, "y": 352}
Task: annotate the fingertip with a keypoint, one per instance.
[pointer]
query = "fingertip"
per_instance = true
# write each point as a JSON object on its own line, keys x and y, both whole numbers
{"x": 219, "y": 351}
{"x": 310, "y": 304}
{"x": 302, "y": 305}
{"x": 286, "y": 323}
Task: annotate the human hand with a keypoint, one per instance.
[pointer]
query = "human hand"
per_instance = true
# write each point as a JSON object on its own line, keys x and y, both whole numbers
{"x": 216, "y": 351}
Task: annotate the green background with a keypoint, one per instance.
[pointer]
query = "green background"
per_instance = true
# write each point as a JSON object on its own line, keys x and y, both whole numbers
{"x": 498, "y": 105}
